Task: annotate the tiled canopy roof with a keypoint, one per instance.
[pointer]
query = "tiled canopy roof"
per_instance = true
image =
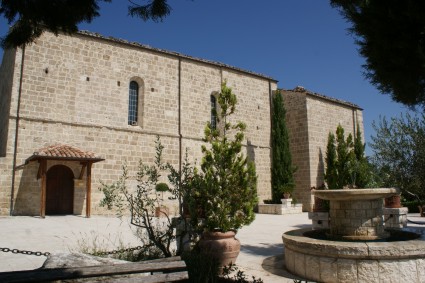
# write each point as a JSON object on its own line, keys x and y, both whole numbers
{"x": 63, "y": 151}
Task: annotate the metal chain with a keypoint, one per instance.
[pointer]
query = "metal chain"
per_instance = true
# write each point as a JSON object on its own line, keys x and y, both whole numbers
{"x": 120, "y": 251}
{"x": 16, "y": 251}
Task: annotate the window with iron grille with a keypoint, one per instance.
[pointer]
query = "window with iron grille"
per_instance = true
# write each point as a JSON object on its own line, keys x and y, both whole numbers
{"x": 133, "y": 103}
{"x": 213, "y": 112}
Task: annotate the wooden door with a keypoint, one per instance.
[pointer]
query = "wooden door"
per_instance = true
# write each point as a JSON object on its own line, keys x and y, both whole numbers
{"x": 59, "y": 190}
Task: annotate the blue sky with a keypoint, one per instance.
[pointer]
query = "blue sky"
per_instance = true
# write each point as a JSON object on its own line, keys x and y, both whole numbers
{"x": 298, "y": 42}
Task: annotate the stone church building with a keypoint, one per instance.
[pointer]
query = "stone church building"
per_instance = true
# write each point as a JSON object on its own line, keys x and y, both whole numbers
{"x": 74, "y": 109}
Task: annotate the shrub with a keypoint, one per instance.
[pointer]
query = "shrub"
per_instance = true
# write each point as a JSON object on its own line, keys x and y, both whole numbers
{"x": 226, "y": 187}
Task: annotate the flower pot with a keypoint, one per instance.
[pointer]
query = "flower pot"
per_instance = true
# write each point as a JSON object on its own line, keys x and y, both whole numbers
{"x": 393, "y": 202}
{"x": 224, "y": 247}
{"x": 162, "y": 211}
{"x": 286, "y": 195}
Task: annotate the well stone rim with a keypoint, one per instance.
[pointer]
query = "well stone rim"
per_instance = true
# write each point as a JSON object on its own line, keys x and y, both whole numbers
{"x": 356, "y": 194}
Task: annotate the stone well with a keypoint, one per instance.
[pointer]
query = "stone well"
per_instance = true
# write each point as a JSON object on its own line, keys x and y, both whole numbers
{"x": 356, "y": 214}
{"x": 356, "y": 247}
{"x": 337, "y": 261}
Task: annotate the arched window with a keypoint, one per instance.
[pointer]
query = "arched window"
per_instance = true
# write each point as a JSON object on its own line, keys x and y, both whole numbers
{"x": 213, "y": 112}
{"x": 133, "y": 103}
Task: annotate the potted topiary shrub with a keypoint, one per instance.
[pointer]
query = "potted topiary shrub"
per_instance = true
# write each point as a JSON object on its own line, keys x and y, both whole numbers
{"x": 287, "y": 191}
{"x": 226, "y": 184}
{"x": 161, "y": 210}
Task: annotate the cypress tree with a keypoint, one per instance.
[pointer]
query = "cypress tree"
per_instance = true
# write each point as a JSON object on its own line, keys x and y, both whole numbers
{"x": 331, "y": 175}
{"x": 282, "y": 169}
{"x": 346, "y": 163}
{"x": 362, "y": 169}
{"x": 345, "y": 157}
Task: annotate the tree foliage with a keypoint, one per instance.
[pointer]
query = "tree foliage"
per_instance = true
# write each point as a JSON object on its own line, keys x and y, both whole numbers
{"x": 391, "y": 37}
{"x": 141, "y": 202}
{"x": 399, "y": 152}
{"x": 331, "y": 175}
{"x": 346, "y": 164}
{"x": 345, "y": 156}
{"x": 282, "y": 169}
{"x": 227, "y": 184}
{"x": 30, "y": 18}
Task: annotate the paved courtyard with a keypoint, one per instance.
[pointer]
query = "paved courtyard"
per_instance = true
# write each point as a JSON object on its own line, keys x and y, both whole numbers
{"x": 261, "y": 252}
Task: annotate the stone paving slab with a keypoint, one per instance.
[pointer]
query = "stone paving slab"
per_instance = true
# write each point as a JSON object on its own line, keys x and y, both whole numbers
{"x": 261, "y": 251}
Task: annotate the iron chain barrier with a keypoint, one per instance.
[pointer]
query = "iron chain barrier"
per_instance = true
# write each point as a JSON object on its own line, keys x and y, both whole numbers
{"x": 16, "y": 251}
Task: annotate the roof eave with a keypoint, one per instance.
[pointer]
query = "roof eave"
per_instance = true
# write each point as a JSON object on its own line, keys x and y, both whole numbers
{"x": 46, "y": 157}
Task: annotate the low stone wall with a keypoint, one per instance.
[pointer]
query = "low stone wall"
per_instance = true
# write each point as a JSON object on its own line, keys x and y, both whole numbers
{"x": 395, "y": 217}
{"x": 333, "y": 261}
{"x": 280, "y": 209}
{"x": 319, "y": 220}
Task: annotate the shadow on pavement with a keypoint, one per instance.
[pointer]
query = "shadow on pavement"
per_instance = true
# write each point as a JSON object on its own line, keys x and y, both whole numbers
{"x": 276, "y": 265}
{"x": 262, "y": 249}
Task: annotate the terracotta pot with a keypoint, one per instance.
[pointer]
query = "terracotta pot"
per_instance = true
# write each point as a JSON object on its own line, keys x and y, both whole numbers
{"x": 393, "y": 202}
{"x": 162, "y": 211}
{"x": 286, "y": 195}
{"x": 222, "y": 246}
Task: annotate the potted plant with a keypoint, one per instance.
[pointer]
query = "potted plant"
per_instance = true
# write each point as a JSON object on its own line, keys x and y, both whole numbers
{"x": 161, "y": 210}
{"x": 287, "y": 190}
{"x": 226, "y": 184}
{"x": 393, "y": 201}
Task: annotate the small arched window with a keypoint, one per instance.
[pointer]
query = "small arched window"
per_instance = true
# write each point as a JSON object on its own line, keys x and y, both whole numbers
{"x": 133, "y": 103}
{"x": 213, "y": 101}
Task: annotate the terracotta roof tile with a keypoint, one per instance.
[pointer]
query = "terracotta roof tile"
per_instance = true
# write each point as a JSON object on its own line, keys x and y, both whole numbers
{"x": 64, "y": 151}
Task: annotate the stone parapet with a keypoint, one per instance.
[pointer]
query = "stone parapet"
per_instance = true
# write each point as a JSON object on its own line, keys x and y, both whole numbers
{"x": 395, "y": 217}
{"x": 320, "y": 220}
{"x": 280, "y": 209}
{"x": 335, "y": 261}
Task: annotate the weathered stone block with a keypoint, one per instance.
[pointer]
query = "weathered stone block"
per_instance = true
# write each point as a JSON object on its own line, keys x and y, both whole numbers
{"x": 367, "y": 271}
{"x": 347, "y": 270}
{"x": 420, "y": 266}
{"x": 328, "y": 270}
{"x": 389, "y": 271}
{"x": 299, "y": 264}
{"x": 289, "y": 260}
{"x": 312, "y": 264}
{"x": 408, "y": 271}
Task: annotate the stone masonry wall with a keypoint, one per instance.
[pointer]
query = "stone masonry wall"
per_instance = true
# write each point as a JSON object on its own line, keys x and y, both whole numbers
{"x": 310, "y": 118}
{"x": 324, "y": 117}
{"x": 75, "y": 91}
{"x": 6, "y": 77}
{"x": 9, "y": 71}
{"x": 297, "y": 124}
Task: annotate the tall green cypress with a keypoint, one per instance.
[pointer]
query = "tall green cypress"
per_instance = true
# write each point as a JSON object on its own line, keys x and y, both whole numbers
{"x": 362, "y": 170}
{"x": 331, "y": 175}
{"x": 282, "y": 169}
{"x": 346, "y": 164}
{"x": 345, "y": 157}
